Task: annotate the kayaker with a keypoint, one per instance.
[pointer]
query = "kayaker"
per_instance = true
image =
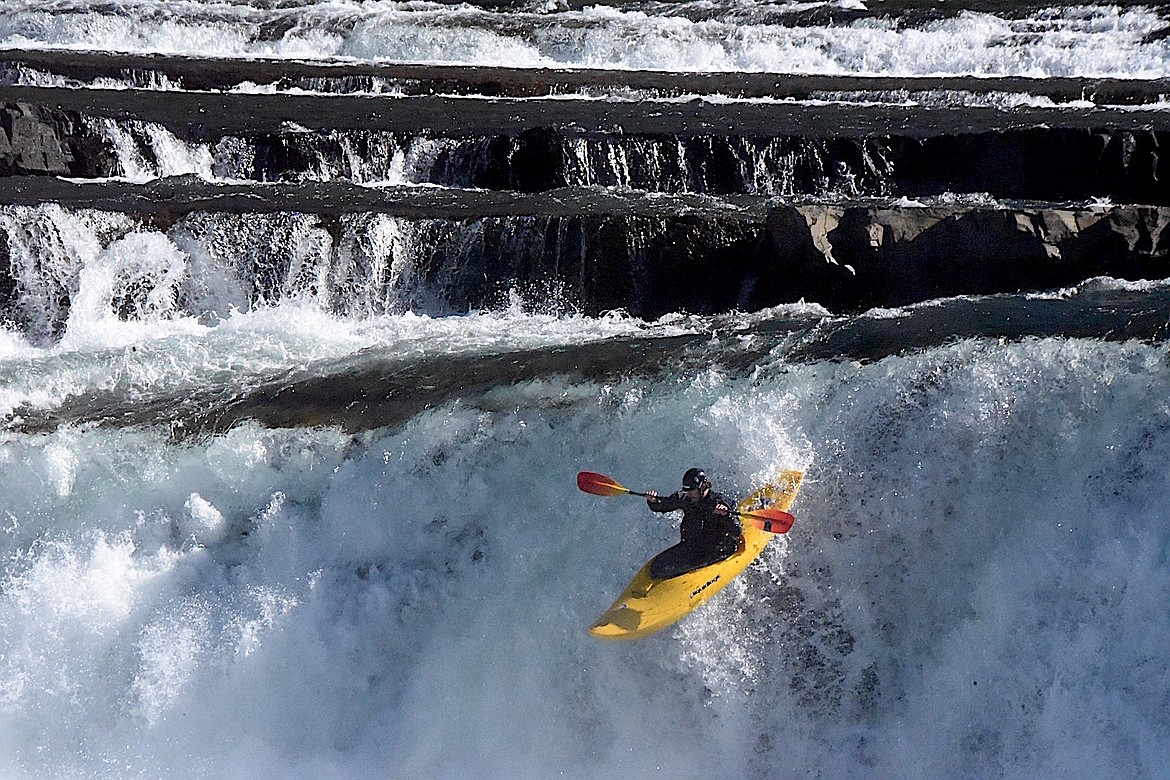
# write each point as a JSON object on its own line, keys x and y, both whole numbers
{"x": 709, "y": 531}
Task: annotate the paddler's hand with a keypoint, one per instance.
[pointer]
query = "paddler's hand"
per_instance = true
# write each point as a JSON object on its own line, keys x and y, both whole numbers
{"x": 722, "y": 509}
{"x": 651, "y": 496}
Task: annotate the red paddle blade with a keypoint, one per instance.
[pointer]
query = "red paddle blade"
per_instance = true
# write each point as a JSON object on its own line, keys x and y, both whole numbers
{"x": 599, "y": 484}
{"x": 774, "y": 521}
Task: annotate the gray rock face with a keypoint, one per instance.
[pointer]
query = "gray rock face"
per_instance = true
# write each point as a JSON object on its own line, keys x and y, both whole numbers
{"x": 859, "y": 257}
{"x": 40, "y": 140}
{"x": 34, "y": 140}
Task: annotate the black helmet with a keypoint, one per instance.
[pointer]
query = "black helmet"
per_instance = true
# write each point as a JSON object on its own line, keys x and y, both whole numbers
{"x": 695, "y": 479}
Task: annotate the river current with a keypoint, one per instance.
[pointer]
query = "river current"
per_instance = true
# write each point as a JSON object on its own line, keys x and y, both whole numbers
{"x": 293, "y": 396}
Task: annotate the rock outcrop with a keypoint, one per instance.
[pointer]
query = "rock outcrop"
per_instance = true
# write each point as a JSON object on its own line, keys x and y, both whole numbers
{"x": 652, "y": 206}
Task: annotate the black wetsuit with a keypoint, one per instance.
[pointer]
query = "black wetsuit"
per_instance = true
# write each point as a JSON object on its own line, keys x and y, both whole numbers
{"x": 706, "y": 536}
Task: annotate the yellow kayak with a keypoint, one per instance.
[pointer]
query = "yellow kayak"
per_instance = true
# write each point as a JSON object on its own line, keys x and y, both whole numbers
{"x": 649, "y": 605}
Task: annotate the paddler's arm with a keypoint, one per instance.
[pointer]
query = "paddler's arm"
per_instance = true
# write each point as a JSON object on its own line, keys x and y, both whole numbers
{"x": 722, "y": 504}
{"x": 722, "y": 508}
{"x": 662, "y": 503}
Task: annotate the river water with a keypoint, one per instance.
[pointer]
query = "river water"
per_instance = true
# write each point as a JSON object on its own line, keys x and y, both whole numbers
{"x": 293, "y": 403}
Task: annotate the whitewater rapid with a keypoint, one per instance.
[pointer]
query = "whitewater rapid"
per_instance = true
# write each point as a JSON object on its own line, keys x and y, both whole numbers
{"x": 723, "y": 36}
{"x": 977, "y": 572}
{"x": 977, "y": 569}
{"x": 310, "y": 312}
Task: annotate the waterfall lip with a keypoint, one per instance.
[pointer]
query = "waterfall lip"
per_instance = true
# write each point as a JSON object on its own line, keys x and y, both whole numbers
{"x": 174, "y": 197}
{"x": 177, "y": 196}
{"x": 199, "y": 115}
{"x": 379, "y": 387}
{"x": 370, "y": 389}
{"x": 219, "y": 74}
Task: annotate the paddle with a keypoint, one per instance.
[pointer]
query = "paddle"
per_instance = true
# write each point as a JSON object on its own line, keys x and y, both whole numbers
{"x": 774, "y": 521}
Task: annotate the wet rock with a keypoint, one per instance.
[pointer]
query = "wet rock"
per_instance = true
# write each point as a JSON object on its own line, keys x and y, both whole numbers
{"x": 856, "y": 258}
{"x": 32, "y": 141}
{"x": 42, "y": 141}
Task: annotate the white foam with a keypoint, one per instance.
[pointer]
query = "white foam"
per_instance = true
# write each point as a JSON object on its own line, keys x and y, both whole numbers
{"x": 973, "y": 574}
{"x": 1085, "y": 41}
{"x": 1102, "y": 283}
{"x": 154, "y": 313}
